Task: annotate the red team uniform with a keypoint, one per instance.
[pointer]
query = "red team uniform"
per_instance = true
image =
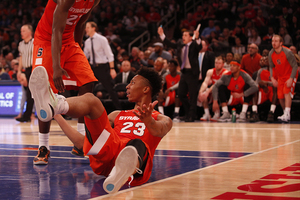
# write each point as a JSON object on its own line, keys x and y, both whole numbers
{"x": 171, "y": 81}
{"x": 283, "y": 69}
{"x": 215, "y": 76}
{"x": 108, "y": 142}
{"x": 262, "y": 96}
{"x": 73, "y": 59}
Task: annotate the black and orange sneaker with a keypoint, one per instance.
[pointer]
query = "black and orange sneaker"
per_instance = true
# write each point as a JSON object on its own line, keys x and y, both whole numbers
{"x": 42, "y": 157}
{"x": 77, "y": 152}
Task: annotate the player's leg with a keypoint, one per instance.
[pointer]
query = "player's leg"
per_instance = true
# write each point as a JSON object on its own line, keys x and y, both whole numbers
{"x": 161, "y": 99}
{"x": 131, "y": 160}
{"x": 177, "y": 107}
{"x": 224, "y": 96}
{"x": 206, "y": 115}
{"x": 256, "y": 100}
{"x": 273, "y": 99}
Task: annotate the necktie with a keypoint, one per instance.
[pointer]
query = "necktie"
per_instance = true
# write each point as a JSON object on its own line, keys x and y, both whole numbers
{"x": 200, "y": 65}
{"x": 124, "y": 77}
{"x": 184, "y": 56}
{"x": 93, "y": 54}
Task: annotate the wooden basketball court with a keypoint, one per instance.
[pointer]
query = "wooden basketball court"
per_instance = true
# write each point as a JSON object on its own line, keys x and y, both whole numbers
{"x": 194, "y": 161}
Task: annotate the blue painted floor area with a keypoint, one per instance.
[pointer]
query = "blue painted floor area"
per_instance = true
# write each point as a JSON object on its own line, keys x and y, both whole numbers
{"x": 69, "y": 177}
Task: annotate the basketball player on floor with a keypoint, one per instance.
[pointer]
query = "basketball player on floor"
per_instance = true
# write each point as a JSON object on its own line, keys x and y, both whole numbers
{"x": 58, "y": 37}
{"x": 121, "y": 152}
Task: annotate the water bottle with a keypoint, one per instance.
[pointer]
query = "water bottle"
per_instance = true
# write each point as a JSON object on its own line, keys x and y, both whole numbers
{"x": 233, "y": 115}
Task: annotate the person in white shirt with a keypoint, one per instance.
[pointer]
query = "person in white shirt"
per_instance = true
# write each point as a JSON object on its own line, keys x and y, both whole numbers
{"x": 101, "y": 58}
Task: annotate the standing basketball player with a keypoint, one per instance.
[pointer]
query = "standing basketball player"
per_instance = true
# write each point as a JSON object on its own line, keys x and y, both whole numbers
{"x": 119, "y": 152}
{"x": 57, "y": 43}
{"x": 286, "y": 67}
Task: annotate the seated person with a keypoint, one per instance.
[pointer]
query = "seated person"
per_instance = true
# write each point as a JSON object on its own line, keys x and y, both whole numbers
{"x": 228, "y": 59}
{"x": 168, "y": 95}
{"x": 234, "y": 87}
{"x": 266, "y": 91}
{"x": 124, "y": 77}
{"x": 159, "y": 66}
{"x": 204, "y": 96}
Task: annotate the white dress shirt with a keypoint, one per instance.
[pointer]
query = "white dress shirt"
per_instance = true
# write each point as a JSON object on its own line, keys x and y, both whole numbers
{"x": 102, "y": 50}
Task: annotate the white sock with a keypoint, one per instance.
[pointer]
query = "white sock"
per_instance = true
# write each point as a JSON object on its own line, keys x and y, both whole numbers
{"x": 63, "y": 105}
{"x": 81, "y": 128}
{"x": 244, "y": 108}
{"x": 161, "y": 109}
{"x": 273, "y": 107}
{"x": 176, "y": 110}
{"x": 206, "y": 110}
{"x": 254, "y": 108}
{"x": 44, "y": 140}
{"x": 224, "y": 109}
{"x": 287, "y": 111}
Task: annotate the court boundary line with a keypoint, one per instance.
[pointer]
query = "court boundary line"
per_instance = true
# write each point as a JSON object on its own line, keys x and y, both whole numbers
{"x": 211, "y": 127}
{"x": 197, "y": 170}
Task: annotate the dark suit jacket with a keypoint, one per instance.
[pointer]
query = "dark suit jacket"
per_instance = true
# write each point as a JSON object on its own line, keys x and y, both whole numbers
{"x": 119, "y": 77}
{"x": 208, "y": 62}
{"x": 194, "y": 49}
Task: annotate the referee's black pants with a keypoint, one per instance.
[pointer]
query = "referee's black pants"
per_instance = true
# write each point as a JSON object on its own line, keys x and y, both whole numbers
{"x": 27, "y": 114}
{"x": 102, "y": 73}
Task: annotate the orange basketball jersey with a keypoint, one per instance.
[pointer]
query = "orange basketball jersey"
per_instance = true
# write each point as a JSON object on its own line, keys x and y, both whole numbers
{"x": 44, "y": 29}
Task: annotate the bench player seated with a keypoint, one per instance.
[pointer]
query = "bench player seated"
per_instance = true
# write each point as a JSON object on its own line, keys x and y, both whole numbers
{"x": 234, "y": 87}
{"x": 121, "y": 152}
{"x": 266, "y": 91}
{"x": 168, "y": 95}
{"x": 205, "y": 96}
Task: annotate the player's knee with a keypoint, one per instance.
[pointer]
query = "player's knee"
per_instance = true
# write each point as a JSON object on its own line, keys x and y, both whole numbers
{"x": 141, "y": 149}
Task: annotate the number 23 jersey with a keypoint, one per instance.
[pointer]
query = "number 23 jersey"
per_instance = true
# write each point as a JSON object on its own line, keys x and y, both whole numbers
{"x": 128, "y": 125}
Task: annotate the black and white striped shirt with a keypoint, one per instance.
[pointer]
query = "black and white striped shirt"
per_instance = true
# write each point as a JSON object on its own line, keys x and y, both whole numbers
{"x": 26, "y": 50}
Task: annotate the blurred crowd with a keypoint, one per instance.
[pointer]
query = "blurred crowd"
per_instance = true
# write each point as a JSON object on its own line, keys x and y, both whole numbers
{"x": 228, "y": 28}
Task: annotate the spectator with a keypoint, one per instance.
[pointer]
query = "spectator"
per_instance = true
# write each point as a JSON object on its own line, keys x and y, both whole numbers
{"x": 234, "y": 87}
{"x": 254, "y": 38}
{"x": 204, "y": 95}
{"x": 199, "y": 14}
{"x": 287, "y": 39}
{"x": 250, "y": 13}
{"x": 169, "y": 95}
{"x": 266, "y": 91}
{"x": 219, "y": 46}
{"x": 250, "y": 62}
{"x": 159, "y": 66}
{"x": 284, "y": 62}
{"x": 158, "y": 52}
{"x": 267, "y": 39}
{"x": 189, "y": 23}
{"x": 152, "y": 18}
{"x": 259, "y": 21}
{"x": 206, "y": 32}
{"x": 228, "y": 59}
{"x": 3, "y": 74}
{"x": 124, "y": 77}
{"x": 15, "y": 69}
{"x": 187, "y": 54}
{"x": 238, "y": 32}
{"x": 134, "y": 59}
{"x": 238, "y": 47}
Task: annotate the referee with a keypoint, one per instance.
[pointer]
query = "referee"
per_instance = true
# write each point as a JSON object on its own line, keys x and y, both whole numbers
{"x": 98, "y": 51}
{"x": 25, "y": 50}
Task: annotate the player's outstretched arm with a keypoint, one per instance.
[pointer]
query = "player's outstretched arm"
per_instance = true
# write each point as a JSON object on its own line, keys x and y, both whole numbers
{"x": 159, "y": 127}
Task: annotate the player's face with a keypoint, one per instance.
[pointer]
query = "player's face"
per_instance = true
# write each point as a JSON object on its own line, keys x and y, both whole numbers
{"x": 276, "y": 42}
{"x": 234, "y": 68}
{"x": 219, "y": 64}
{"x": 135, "y": 89}
{"x": 172, "y": 68}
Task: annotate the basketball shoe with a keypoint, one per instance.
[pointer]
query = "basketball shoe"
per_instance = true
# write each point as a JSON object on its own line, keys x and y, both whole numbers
{"x": 125, "y": 166}
{"x": 284, "y": 118}
{"x": 77, "y": 152}
{"x": 42, "y": 157}
{"x": 225, "y": 117}
{"x": 242, "y": 117}
{"x": 216, "y": 117}
{"x": 47, "y": 103}
{"x": 205, "y": 117}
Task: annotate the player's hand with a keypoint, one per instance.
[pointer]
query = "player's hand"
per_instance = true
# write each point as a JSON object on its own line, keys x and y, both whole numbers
{"x": 215, "y": 106}
{"x": 289, "y": 82}
{"x": 57, "y": 78}
{"x": 145, "y": 112}
{"x": 160, "y": 31}
{"x": 167, "y": 92}
{"x": 237, "y": 95}
{"x": 274, "y": 82}
{"x": 203, "y": 96}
